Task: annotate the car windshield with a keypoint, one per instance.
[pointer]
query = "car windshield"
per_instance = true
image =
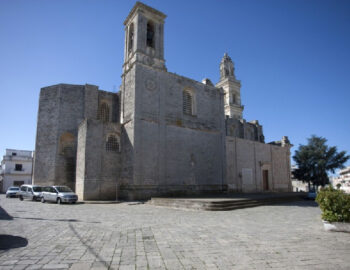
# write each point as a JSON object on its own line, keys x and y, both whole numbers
{"x": 63, "y": 189}
{"x": 37, "y": 189}
{"x": 14, "y": 188}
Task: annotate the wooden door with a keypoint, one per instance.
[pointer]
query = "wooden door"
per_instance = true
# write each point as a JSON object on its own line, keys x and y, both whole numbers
{"x": 265, "y": 180}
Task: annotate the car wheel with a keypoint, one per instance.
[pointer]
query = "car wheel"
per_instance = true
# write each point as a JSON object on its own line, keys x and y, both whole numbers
{"x": 42, "y": 199}
{"x": 59, "y": 201}
{"x": 7, "y": 196}
{"x": 34, "y": 198}
{"x": 20, "y": 198}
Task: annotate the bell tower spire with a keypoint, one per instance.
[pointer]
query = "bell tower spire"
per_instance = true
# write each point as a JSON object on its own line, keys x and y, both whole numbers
{"x": 232, "y": 88}
{"x": 144, "y": 37}
{"x": 226, "y": 68}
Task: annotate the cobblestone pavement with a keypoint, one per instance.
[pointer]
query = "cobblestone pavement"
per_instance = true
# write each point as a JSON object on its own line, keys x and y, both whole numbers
{"x": 140, "y": 236}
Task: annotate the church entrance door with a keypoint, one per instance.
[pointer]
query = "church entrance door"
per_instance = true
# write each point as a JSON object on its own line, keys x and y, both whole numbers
{"x": 265, "y": 180}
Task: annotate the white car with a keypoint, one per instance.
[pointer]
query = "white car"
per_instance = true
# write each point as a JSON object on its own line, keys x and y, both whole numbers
{"x": 58, "y": 194}
{"x": 12, "y": 192}
{"x": 32, "y": 192}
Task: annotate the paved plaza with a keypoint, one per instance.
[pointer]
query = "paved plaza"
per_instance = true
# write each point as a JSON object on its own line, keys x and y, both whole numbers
{"x": 142, "y": 236}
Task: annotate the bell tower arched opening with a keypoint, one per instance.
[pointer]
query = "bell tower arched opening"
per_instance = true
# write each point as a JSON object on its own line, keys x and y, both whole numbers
{"x": 150, "y": 34}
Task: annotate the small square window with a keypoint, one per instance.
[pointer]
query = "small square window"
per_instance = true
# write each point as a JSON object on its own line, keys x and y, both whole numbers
{"x": 14, "y": 154}
{"x": 18, "y": 167}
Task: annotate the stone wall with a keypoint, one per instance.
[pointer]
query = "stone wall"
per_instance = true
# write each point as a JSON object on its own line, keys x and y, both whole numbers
{"x": 173, "y": 152}
{"x": 97, "y": 168}
{"x": 61, "y": 109}
{"x": 59, "y": 117}
{"x": 246, "y": 160}
{"x": 47, "y": 136}
{"x": 127, "y": 112}
{"x": 245, "y": 130}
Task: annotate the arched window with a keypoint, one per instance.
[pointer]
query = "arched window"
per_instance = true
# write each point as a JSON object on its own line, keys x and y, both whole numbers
{"x": 66, "y": 146}
{"x": 103, "y": 112}
{"x": 131, "y": 37}
{"x": 233, "y": 98}
{"x": 187, "y": 102}
{"x": 150, "y": 34}
{"x": 112, "y": 144}
{"x": 232, "y": 130}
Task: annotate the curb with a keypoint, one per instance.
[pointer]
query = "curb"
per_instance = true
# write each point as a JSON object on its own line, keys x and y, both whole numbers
{"x": 336, "y": 226}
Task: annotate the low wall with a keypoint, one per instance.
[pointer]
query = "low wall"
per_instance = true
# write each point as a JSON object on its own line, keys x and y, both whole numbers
{"x": 246, "y": 162}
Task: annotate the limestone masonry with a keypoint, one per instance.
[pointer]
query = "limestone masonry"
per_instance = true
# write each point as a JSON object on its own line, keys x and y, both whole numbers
{"x": 161, "y": 134}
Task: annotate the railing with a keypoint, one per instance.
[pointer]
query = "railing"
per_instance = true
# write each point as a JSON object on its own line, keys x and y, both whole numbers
{"x": 17, "y": 158}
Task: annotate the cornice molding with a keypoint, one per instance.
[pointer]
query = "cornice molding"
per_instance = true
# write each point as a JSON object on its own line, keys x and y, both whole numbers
{"x": 141, "y": 6}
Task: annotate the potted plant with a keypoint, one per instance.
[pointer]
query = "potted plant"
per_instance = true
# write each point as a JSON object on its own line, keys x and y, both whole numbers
{"x": 335, "y": 207}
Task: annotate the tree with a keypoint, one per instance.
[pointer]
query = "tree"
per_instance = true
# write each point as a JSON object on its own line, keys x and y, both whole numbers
{"x": 315, "y": 159}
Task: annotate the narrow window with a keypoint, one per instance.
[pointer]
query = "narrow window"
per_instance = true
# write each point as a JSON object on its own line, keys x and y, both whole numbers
{"x": 232, "y": 130}
{"x": 150, "y": 34}
{"x": 18, "y": 167}
{"x": 112, "y": 143}
{"x": 14, "y": 154}
{"x": 265, "y": 180}
{"x": 103, "y": 113}
{"x": 187, "y": 99}
{"x": 131, "y": 37}
{"x": 233, "y": 98}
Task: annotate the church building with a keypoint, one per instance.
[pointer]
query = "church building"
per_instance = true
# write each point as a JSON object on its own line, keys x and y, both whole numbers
{"x": 162, "y": 134}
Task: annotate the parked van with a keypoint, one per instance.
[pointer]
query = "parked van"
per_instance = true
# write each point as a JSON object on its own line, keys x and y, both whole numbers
{"x": 32, "y": 192}
{"x": 58, "y": 194}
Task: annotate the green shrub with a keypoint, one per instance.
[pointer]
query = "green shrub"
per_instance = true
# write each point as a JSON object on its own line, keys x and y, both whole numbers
{"x": 335, "y": 205}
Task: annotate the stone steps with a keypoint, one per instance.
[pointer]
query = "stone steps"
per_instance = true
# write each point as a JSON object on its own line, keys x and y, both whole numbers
{"x": 225, "y": 204}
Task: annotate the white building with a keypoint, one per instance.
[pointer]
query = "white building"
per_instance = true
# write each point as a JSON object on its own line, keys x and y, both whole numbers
{"x": 343, "y": 179}
{"x": 16, "y": 168}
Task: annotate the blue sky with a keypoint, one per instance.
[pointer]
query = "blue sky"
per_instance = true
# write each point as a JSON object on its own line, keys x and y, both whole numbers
{"x": 292, "y": 58}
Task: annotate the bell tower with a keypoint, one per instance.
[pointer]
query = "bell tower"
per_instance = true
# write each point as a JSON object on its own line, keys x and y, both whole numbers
{"x": 232, "y": 88}
{"x": 144, "y": 37}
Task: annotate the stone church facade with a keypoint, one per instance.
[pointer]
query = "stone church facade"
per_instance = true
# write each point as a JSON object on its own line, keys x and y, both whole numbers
{"x": 161, "y": 135}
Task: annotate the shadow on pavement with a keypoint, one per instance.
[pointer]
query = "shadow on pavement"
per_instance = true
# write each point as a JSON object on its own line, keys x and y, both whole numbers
{"x": 63, "y": 220}
{"x": 70, "y": 220}
{"x": 4, "y": 215}
{"x": 10, "y": 241}
{"x": 98, "y": 258}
